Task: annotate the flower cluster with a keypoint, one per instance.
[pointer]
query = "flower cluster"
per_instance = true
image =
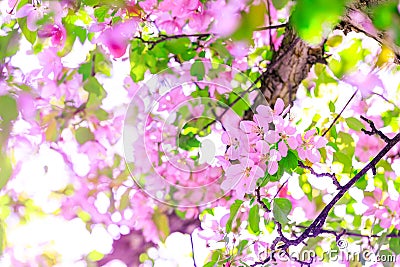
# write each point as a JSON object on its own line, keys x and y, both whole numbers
{"x": 260, "y": 144}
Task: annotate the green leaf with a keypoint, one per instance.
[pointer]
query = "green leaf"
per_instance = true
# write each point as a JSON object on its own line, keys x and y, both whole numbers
{"x": 101, "y": 12}
{"x": 198, "y": 70}
{"x": 86, "y": 70}
{"x": 93, "y": 86}
{"x": 394, "y": 245}
{"x": 30, "y": 36}
{"x": 178, "y": 46}
{"x": 343, "y": 159}
{"x": 279, "y": 4}
{"x": 96, "y": 92}
{"x": 249, "y": 22}
{"x": 83, "y": 134}
{"x": 5, "y": 171}
{"x": 9, "y": 44}
{"x": 349, "y": 58}
{"x": 161, "y": 222}
{"x": 233, "y": 211}
{"x": 210, "y": 264}
{"x": 383, "y": 15}
{"x": 188, "y": 142}
{"x": 8, "y": 110}
{"x": 354, "y": 124}
{"x": 289, "y": 162}
{"x": 313, "y": 19}
{"x": 332, "y": 107}
{"x": 254, "y": 219}
{"x": 361, "y": 183}
{"x": 281, "y": 210}
{"x": 102, "y": 64}
{"x": 90, "y": 2}
{"x": 346, "y": 144}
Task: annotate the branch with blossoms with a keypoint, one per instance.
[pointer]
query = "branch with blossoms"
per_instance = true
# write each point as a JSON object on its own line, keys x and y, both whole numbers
{"x": 316, "y": 227}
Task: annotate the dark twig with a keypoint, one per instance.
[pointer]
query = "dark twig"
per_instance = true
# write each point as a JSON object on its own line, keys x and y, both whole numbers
{"x": 280, "y": 188}
{"x": 191, "y": 242}
{"x": 316, "y": 226}
{"x": 161, "y": 38}
{"x": 325, "y": 174}
{"x": 259, "y": 200}
{"x": 374, "y": 130}
{"x": 346, "y": 233}
{"x": 271, "y": 27}
{"x": 340, "y": 114}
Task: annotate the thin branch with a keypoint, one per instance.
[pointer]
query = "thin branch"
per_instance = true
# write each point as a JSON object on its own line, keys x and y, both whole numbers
{"x": 374, "y": 130}
{"x": 162, "y": 38}
{"x": 346, "y": 233}
{"x": 325, "y": 174}
{"x": 259, "y": 200}
{"x": 191, "y": 242}
{"x": 280, "y": 188}
{"x": 270, "y": 22}
{"x": 271, "y": 27}
{"x": 340, "y": 114}
{"x": 315, "y": 228}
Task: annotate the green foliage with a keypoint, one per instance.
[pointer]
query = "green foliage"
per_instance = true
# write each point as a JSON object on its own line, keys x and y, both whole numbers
{"x": 250, "y": 21}
{"x": 8, "y": 110}
{"x": 188, "y": 142}
{"x": 254, "y": 219}
{"x": 279, "y": 4}
{"x": 73, "y": 32}
{"x": 101, "y": 13}
{"x": 349, "y": 58}
{"x": 96, "y": 92}
{"x": 233, "y": 211}
{"x": 29, "y": 35}
{"x": 5, "y": 170}
{"x": 394, "y": 245}
{"x": 386, "y": 16}
{"x": 9, "y": 45}
{"x": 198, "y": 70}
{"x": 354, "y": 124}
{"x": 162, "y": 224}
{"x": 83, "y": 135}
{"x": 312, "y": 19}
{"x": 288, "y": 163}
{"x": 281, "y": 209}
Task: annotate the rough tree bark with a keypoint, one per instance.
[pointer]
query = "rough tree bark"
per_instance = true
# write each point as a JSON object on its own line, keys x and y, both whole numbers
{"x": 294, "y": 59}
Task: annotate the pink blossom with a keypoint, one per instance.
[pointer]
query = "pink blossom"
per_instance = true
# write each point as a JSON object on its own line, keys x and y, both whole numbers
{"x": 309, "y": 145}
{"x": 364, "y": 82}
{"x": 266, "y": 155}
{"x": 55, "y": 31}
{"x": 171, "y": 99}
{"x": 372, "y": 202}
{"x": 51, "y": 62}
{"x": 116, "y": 38}
{"x": 242, "y": 177}
{"x": 236, "y": 142}
{"x": 367, "y": 146}
{"x": 213, "y": 228}
{"x": 284, "y": 134}
{"x": 266, "y": 115}
{"x": 32, "y": 13}
{"x": 254, "y": 130}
